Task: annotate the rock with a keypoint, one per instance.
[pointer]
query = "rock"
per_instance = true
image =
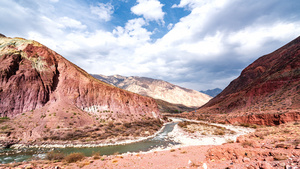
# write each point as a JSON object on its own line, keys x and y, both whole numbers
{"x": 267, "y": 146}
{"x": 28, "y": 167}
{"x": 298, "y": 146}
{"x": 204, "y": 166}
{"x": 246, "y": 159}
{"x": 288, "y": 167}
{"x": 265, "y": 165}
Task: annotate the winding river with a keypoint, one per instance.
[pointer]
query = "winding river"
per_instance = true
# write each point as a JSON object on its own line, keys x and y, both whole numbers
{"x": 161, "y": 140}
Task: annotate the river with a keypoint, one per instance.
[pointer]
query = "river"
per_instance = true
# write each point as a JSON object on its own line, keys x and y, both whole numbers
{"x": 161, "y": 140}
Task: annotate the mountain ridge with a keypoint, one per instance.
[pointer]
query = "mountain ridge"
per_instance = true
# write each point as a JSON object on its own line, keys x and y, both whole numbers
{"x": 212, "y": 92}
{"x": 157, "y": 89}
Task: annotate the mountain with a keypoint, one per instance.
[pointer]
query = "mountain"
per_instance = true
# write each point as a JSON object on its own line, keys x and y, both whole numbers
{"x": 40, "y": 91}
{"x": 158, "y": 89}
{"x": 212, "y": 92}
{"x": 266, "y": 92}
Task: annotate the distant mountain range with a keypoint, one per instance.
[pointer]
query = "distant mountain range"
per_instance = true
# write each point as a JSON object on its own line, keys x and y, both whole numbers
{"x": 170, "y": 95}
{"x": 267, "y": 91}
{"x": 212, "y": 92}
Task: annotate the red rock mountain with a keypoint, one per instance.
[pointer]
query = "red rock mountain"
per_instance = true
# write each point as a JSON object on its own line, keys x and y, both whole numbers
{"x": 266, "y": 92}
{"x": 33, "y": 76}
{"x": 44, "y": 87}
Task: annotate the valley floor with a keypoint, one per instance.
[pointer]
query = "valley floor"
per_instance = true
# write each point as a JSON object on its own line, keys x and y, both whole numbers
{"x": 266, "y": 148}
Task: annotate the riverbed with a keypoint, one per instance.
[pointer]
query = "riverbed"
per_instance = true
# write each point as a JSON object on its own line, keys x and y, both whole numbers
{"x": 160, "y": 140}
{"x": 170, "y": 136}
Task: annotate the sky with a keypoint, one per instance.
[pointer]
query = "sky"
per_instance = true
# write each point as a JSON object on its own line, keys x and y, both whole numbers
{"x": 197, "y": 44}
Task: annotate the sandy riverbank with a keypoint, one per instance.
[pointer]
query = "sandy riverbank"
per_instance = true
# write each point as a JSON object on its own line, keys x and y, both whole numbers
{"x": 85, "y": 145}
{"x": 191, "y": 153}
{"x": 196, "y": 139}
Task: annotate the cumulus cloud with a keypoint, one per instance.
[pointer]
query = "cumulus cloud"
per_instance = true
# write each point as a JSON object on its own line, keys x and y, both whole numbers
{"x": 150, "y": 9}
{"x": 133, "y": 34}
{"x": 206, "y": 49}
{"x": 103, "y": 11}
{"x": 198, "y": 51}
{"x": 188, "y": 4}
{"x": 71, "y": 23}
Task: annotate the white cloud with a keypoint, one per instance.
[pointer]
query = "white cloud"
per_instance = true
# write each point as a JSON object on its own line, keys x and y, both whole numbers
{"x": 205, "y": 49}
{"x": 133, "y": 34}
{"x": 252, "y": 38}
{"x": 170, "y": 26}
{"x": 71, "y": 23}
{"x": 150, "y": 9}
{"x": 103, "y": 11}
{"x": 188, "y": 4}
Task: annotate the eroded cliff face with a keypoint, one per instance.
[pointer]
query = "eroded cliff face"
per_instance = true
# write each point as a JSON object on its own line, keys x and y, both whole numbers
{"x": 41, "y": 87}
{"x": 270, "y": 85}
{"x": 33, "y": 75}
{"x": 28, "y": 76}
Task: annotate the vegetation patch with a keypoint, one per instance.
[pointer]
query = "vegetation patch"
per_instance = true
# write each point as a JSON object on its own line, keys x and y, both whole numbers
{"x": 204, "y": 129}
{"x": 74, "y": 157}
{"x": 55, "y": 156}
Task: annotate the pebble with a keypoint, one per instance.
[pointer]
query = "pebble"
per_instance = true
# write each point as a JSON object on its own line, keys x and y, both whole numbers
{"x": 246, "y": 160}
{"x": 265, "y": 165}
{"x": 288, "y": 167}
{"x": 204, "y": 166}
{"x": 28, "y": 167}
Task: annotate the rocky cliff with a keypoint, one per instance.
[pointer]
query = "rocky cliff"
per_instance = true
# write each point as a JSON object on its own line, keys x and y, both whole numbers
{"x": 269, "y": 88}
{"x": 158, "y": 89}
{"x": 38, "y": 85}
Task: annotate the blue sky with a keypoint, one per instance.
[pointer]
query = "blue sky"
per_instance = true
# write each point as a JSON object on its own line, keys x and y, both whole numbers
{"x": 198, "y": 44}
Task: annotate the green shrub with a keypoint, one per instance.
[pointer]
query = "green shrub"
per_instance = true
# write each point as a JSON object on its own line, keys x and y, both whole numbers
{"x": 96, "y": 156}
{"x": 111, "y": 124}
{"x": 247, "y": 143}
{"x": 73, "y": 157}
{"x": 219, "y": 132}
{"x": 57, "y": 156}
{"x": 4, "y": 118}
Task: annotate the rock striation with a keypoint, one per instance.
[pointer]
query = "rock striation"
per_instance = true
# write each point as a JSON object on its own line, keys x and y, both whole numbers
{"x": 158, "y": 89}
{"x": 42, "y": 87}
{"x": 267, "y": 89}
{"x": 33, "y": 75}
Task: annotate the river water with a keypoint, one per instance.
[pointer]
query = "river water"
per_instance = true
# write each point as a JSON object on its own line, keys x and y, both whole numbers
{"x": 161, "y": 140}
